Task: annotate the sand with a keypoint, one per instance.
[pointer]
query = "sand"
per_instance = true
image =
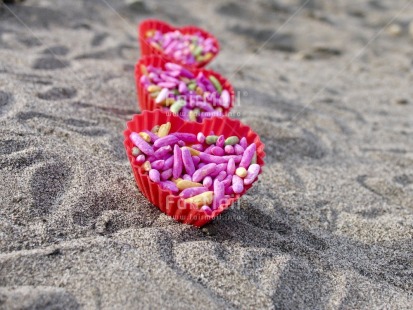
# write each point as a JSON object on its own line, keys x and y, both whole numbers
{"x": 328, "y": 226}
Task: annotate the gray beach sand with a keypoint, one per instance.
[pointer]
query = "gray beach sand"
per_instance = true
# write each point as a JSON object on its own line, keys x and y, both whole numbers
{"x": 327, "y": 85}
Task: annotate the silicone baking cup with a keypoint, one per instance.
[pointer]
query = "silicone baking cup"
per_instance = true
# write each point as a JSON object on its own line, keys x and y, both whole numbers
{"x": 167, "y": 202}
{"x": 154, "y": 24}
{"x": 146, "y": 102}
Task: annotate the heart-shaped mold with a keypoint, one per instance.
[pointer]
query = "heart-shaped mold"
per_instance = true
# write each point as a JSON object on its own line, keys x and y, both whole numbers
{"x": 154, "y": 24}
{"x": 167, "y": 202}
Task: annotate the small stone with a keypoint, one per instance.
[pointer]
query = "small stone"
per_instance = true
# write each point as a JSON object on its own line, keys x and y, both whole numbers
{"x": 138, "y": 6}
{"x": 303, "y": 55}
{"x": 402, "y": 101}
{"x": 395, "y": 29}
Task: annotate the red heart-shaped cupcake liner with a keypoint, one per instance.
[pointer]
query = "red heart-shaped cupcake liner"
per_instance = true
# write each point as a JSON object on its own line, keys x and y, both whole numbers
{"x": 154, "y": 24}
{"x": 146, "y": 102}
{"x": 167, "y": 202}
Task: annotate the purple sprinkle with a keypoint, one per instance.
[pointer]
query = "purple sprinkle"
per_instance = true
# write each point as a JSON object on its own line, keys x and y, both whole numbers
{"x": 248, "y": 154}
{"x": 237, "y": 184}
{"x": 218, "y": 169}
{"x": 186, "y": 137}
{"x": 167, "y": 86}
{"x": 140, "y": 159}
{"x": 231, "y": 167}
{"x": 202, "y": 172}
{"x": 228, "y": 180}
{"x": 192, "y": 191}
{"x": 167, "y": 174}
{"x": 177, "y": 165}
{"x": 162, "y": 152}
{"x": 206, "y": 209}
{"x": 243, "y": 142}
{"x": 154, "y": 175}
{"x": 169, "y": 162}
{"x": 207, "y": 182}
{"x": 220, "y": 141}
{"x": 151, "y": 135}
{"x": 169, "y": 185}
{"x": 158, "y": 164}
{"x": 253, "y": 171}
{"x": 221, "y": 176}
{"x": 218, "y": 151}
{"x": 211, "y": 158}
{"x": 173, "y": 66}
{"x": 196, "y": 160}
{"x": 219, "y": 192}
{"x": 187, "y": 177}
{"x": 167, "y": 140}
{"x": 229, "y": 190}
{"x": 237, "y": 158}
{"x": 239, "y": 150}
{"x": 187, "y": 161}
{"x": 141, "y": 144}
{"x": 182, "y": 88}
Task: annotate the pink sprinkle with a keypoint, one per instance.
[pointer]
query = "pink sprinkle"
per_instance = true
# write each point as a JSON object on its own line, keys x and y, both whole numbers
{"x": 140, "y": 159}
{"x": 154, "y": 175}
{"x": 229, "y": 149}
{"x": 207, "y": 210}
{"x": 163, "y": 94}
{"x": 177, "y": 166}
{"x": 237, "y": 184}
{"x": 201, "y": 137}
{"x": 207, "y": 182}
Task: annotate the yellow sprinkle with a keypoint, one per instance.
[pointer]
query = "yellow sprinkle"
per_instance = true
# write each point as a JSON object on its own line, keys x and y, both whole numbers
{"x": 201, "y": 199}
{"x": 192, "y": 115}
{"x": 150, "y": 33}
{"x": 177, "y": 180}
{"x": 164, "y": 130}
{"x": 153, "y": 88}
{"x": 197, "y": 111}
{"x": 187, "y": 184}
{"x": 144, "y": 70}
{"x": 145, "y": 136}
{"x": 146, "y": 166}
{"x": 208, "y": 56}
{"x": 193, "y": 151}
{"x": 169, "y": 101}
{"x": 241, "y": 172}
{"x": 199, "y": 91}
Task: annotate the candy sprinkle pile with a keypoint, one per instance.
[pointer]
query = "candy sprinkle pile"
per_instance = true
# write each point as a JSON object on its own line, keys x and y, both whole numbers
{"x": 180, "y": 91}
{"x": 204, "y": 171}
{"x": 186, "y": 48}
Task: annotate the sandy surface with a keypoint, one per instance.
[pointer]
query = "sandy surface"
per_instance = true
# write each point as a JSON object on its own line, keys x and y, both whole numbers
{"x": 328, "y": 226}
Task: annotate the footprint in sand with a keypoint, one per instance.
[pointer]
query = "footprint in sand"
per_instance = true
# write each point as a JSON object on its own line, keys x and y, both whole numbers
{"x": 58, "y": 93}
{"x": 50, "y": 63}
{"x": 48, "y": 183}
